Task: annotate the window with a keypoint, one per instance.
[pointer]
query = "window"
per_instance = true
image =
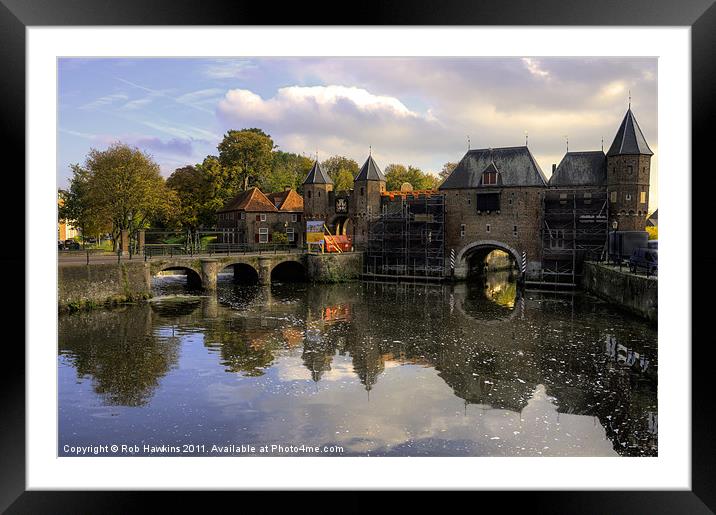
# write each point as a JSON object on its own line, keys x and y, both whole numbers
{"x": 613, "y": 196}
{"x": 469, "y": 200}
{"x": 488, "y": 202}
{"x": 263, "y": 234}
{"x": 514, "y": 230}
{"x": 319, "y": 194}
{"x": 263, "y": 217}
{"x": 462, "y": 230}
{"x": 642, "y": 197}
{"x": 587, "y": 198}
{"x": 488, "y": 227}
{"x": 243, "y": 215}
{"x": 294, "y": 218}
{"x": 361, "y": 191}
{"x": 309, "y": 193}
{"x": 290, "y": 234}
{"x": 489, "y": 178}
{"x": 628, "y": 196}
{"x": 630, "y": 170}
{"x": 562, "y": 198}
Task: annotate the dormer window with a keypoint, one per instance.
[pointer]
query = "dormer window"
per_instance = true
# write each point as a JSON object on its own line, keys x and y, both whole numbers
{"x": 489, "y": 178}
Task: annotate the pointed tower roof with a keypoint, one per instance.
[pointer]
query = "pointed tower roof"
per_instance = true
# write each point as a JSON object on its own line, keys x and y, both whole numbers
{"x": 629, "y": 139}
{"x": 317, "y": 175}
{"x": 369, "y": 171}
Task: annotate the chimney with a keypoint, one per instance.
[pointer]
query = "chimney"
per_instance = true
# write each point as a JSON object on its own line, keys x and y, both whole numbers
{"x": 554, "y": 167}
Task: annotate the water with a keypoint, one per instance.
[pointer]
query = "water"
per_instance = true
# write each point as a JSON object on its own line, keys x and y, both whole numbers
{"x": 359, "y": 369}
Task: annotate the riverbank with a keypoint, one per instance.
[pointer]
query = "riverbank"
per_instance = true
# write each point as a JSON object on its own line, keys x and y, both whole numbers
{"x": 637, "y": 294}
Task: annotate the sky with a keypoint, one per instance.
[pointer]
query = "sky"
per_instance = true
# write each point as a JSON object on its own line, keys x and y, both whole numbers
{"x": 414, "y": 111}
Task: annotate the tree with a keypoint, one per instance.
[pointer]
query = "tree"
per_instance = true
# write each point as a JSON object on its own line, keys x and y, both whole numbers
{"x": 192, "y": 186}
{"x": 76, "y": 206}
{"x": 397, "y": 174}
{"x": 343, "y": 181}
{"x": 247, "y": 156}
{"x": 447, "y": 170}
{"x": 287, "y": 170}
{"x": 339, "y": 168}
{"x": 126, "y": 188}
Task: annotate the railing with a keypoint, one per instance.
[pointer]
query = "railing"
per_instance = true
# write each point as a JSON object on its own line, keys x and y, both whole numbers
{"x": 86, "y": 255}
{"x": 218, "y": 249}
{"x": 251, "y": 248}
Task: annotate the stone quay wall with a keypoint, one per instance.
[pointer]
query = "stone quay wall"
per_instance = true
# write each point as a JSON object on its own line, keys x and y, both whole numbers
{"x": 634, "y": 293}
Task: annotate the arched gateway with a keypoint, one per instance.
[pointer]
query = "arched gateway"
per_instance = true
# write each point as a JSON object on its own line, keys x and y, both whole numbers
{"x": 478, "y": 250}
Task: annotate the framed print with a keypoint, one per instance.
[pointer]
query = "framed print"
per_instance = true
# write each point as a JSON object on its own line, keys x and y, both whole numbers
{"x": 419, "y": 252}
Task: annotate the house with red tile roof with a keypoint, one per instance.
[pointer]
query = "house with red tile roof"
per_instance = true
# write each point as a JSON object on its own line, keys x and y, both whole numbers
{"x": 255, "y": 217}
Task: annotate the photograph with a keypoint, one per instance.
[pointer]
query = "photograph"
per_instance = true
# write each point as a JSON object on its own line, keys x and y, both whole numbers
{"x": 357, "y": 256}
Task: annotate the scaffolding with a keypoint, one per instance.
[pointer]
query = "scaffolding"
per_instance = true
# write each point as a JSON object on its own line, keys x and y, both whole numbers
{"x": 575, "y": 228}
{"x": 407, "y": 241}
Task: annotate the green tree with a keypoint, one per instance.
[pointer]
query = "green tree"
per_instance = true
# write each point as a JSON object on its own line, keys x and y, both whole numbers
{"x": 343, "y": 181}
{"x": 247, "y": 157}
{"x": 339, "y": 168}
{"x": 126, "y": 188}
{"x": 397, "y": 174}
{"x": 192, "y": 186}
{"x": 287, "y": 170}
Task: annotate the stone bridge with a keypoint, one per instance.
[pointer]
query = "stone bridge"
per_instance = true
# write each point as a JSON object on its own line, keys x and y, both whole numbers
{"x": 203, "y": 271}
{"x": 107, "y": 281}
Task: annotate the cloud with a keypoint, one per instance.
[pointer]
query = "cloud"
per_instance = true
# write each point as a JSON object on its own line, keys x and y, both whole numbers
{"x": 174, "y": 146}
{"x": 227, "y": 68}
{"x": 106, "y": 100}
{"x": 330, "y": 119}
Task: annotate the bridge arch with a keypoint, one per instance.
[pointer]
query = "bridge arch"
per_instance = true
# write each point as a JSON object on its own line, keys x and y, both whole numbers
{"x": 479, "y": 250}
{"x": 290, "y": 270}
{"x": 243, "y": 273}
{"x": 193, "y": 277}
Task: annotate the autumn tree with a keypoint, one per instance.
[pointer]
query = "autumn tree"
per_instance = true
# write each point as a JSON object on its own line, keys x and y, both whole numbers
{"x": 76, "y": 206}
{"x": 246, "y": 156}
{"x": 126, "y": 189}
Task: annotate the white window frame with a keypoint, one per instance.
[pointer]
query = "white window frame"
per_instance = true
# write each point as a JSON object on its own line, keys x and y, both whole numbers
{"x": 290, "y": 234}
{"x": 294, "y": 217}
{"x": 263, "y": 234}
{"x": 462, "y": 230}
{"x": 262, "y": 217}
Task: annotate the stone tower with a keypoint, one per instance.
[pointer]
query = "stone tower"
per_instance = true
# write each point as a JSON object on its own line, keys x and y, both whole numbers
{"x": 628, "y": 169}
{"x": 317, "y": 189}
{"x": 368, "y": 186}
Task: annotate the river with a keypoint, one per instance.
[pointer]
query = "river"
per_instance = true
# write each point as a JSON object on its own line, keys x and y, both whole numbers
{"x": 376, "y": 369}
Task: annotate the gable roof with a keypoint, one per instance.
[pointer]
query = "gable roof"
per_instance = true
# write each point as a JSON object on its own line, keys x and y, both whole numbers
{"x": 369, "y": 172}
{"x": 516, "y": 165}
{"x": 287, "y": 200}
{"x": 581, "y": 169}
{"x": 250, "y": 200}
{"x": 317, "y": 176}
{"x": 629, "y": 139}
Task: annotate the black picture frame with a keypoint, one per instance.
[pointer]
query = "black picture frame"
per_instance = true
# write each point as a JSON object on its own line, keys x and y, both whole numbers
{"x": 700, "y": 15}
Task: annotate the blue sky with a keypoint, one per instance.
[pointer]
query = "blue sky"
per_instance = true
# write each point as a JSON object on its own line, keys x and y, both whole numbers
{"x": 414, "y": 111}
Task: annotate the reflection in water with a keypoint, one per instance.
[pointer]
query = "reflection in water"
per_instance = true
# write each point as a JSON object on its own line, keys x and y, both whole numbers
{"x": 379, "y": 369}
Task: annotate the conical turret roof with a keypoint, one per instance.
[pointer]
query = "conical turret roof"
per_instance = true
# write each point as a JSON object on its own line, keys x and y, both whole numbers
{"x": 629, "y": 139}
{"x": 370, "y": 172}
{"x": 317, "y": 175}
